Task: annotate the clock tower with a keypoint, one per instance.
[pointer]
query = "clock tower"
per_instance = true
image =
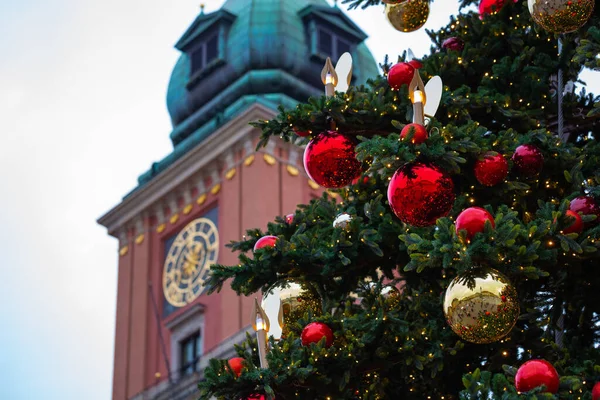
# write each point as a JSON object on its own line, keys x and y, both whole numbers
{"x": 237, "y": 65}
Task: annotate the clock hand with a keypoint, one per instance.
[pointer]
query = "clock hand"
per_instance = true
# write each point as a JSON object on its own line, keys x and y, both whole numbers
{"x": 192, "y": 258}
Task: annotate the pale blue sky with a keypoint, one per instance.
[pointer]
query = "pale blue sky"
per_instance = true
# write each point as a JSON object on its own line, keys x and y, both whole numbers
{"x": 82, "y": 114}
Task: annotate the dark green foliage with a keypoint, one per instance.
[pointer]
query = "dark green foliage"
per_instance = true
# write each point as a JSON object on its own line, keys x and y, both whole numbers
{"x": 352, "y": 4}
{"x": 400, "y": 347}
{"x": 505, "y": 77}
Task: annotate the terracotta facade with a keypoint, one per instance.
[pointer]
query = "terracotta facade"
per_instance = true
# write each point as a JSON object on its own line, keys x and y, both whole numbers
{"x": 251, "y": 197}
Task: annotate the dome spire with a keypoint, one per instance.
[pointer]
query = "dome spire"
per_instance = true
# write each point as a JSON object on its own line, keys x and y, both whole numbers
{"x": 201, "y": 8}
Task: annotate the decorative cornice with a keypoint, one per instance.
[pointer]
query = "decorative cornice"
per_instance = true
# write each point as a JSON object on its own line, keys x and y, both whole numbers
{"x": 202, "y": 196}
{"x": 139, "y": 229}
{"x": 181, "y": 170}
{"x": 216, "y": 182}
{"x": 230, "y": 165}
{"x": 218, "y": 164}
{"x": 123, "y": 241}
{"x": 188, "y": 314}
{"x": 160, "y": 217}
{"x": 174, "y": 208}
{"x": 249, "y": 152}
{"x": 269, "y": 155}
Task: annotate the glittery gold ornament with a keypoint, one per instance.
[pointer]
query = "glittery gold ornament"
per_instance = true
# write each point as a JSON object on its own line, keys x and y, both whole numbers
{"x": 390, "y": 291}
{"x": 481, "y": 306}
{"x": 409, "y": 15}
{"x": 561, "y": 16}
{"x": 287, "y": 302}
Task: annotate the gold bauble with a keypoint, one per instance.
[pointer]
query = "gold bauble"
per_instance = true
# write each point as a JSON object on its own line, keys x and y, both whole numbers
{"x": 481, "y": 306}
{"x": 287, "y": 302}
{"x": 561, "y": 16}
{"x": 409, "y": 15}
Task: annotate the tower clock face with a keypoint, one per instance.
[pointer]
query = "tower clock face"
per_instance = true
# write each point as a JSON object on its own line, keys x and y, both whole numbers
{"x": 188, "y": 261}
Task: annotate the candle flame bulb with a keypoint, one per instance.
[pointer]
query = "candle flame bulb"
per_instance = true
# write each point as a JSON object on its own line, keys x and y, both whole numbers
{"x": 418, "y": 97}
{"x": 260, "y": 323}
{"x": 416, "y": 92}
{"x": 329, "y": 78}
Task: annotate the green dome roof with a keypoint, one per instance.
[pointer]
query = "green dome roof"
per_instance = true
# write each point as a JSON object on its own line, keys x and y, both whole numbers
{"x": 262, "y": 50}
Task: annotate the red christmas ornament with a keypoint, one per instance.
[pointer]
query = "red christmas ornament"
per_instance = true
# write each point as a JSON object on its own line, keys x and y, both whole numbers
{"x": 536, "y": 373}
{"x": 289, "y": 219}
{"x": 301, "y": 133}
{"x": 265, "y": 241}
{"x": 330, "y": 160}
{"x": 596, "y": 391}
{"x": 490, "y": 7}
{"x": 314, "y": 332}
{"x": 528, "y": 160}
{"x": 256, "y": 397}
{"x": 491, "y": 169}
{"x": 420, "y": 134}
{"x": 364, "y": 180}
{"x": 416, "y": 64}
{"x": 453, "y": 43}
{"x": 236, "y": 364}
{"x": 473, "y": 221}
{"x": 586, "y": 205}
{"x": 400, "y": 74}
{"x": 420, "y": 193}
{"x": 575, "y": 226}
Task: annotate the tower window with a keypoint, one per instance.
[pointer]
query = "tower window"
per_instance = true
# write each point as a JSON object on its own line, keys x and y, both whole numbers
{"x": 205, "y": 52}
{"x": 331, "y": 45}
{"x": 191, "y": 349}
{"x": 212, "y": 48}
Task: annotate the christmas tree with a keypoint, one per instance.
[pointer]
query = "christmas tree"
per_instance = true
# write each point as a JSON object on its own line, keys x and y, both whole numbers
{"x": 456, "y": 261}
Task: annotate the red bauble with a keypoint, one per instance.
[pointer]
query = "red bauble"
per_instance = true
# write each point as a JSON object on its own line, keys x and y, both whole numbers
{"x": 453, "y": 43}
{"x": 256, "y": 397}
{"x": 314, "y": 332}
{"x": 400, "y": 74}
{"x": 536, "y": 373}
{"x": 265, "y": 241}
{"x": 236, "y": 364}
{"x": 528, "y": 160}
{"x": 330, "y": 160}
{"x": 364, "y": 180}
{"x": 596, "y": 391}
{"x": 491, "y": 170}
{"x": 289, "y": 219}
{"x": 587, "y": 206}
{"x": 420, "y": 134}
{"x": 473, "y": 221}
{"x": 490, "y": 7}
{"x": 420, "y": 193}
{"x": 575, "y": 226}
{"x": 416, "y": 64}
{"x": 301, "y": 133}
